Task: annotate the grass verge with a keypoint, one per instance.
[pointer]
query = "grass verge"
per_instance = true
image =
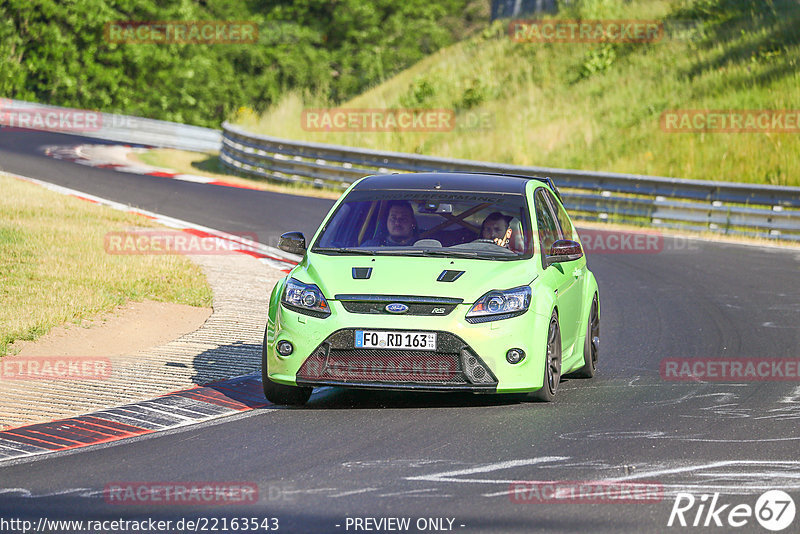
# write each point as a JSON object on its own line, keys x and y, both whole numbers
{"x": 598, "y": 106}
{"x": 54, "y": 268}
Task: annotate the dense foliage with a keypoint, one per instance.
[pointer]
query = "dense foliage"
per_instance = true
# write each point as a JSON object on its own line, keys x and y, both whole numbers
{"x": 56, "y": 52}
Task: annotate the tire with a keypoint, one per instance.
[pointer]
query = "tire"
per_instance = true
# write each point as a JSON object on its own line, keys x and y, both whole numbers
{"x": 591, "y": 346}
{"x": 280, "y": 393}
{"x": 552, "y": 363}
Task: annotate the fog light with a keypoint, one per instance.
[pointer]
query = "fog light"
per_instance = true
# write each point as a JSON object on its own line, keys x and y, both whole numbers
{"x": 285, "y": 348}
{"x": 515, "y": 355}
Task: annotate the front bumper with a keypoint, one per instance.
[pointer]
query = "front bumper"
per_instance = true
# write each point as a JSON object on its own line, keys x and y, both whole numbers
{"x": 452, "y": 366}
{"x": 325, "y": 354}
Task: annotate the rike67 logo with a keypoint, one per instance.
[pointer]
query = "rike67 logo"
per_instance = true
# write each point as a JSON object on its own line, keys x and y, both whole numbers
{"x": 774, "y": 510}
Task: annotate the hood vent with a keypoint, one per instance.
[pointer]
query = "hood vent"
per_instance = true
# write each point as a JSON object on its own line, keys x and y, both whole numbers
{"x": 449, "y": 276}
{"x": 362, "y": 273}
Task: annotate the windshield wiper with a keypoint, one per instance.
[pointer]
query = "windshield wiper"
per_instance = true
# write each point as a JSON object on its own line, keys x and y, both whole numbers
{"x": 400, "y": 252}
{"x": 412, "y": 252}
{"x": 443, "y": 252}
{"x": 345, "y": 250}
{"x": 469, "y": 254}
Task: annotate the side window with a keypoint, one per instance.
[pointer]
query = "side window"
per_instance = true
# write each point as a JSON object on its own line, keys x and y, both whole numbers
{"x": 548, "y": 230}
{"x": 563, "y": 219}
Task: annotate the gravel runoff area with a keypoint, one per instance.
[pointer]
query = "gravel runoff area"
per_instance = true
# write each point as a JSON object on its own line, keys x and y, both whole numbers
{"x": 227, "y": 345}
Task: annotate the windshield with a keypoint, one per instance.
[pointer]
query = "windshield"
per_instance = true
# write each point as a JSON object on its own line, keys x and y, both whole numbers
{"x": 478, "y": 225}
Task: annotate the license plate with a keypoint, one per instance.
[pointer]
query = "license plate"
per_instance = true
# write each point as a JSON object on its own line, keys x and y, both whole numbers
{"x": 377, "y": 339}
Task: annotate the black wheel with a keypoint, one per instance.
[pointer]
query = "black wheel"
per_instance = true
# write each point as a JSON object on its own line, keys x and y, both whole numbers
{"x": 552, "y": 363}
{"x": 591, "y": 346}
{"x": 280, "y": 393}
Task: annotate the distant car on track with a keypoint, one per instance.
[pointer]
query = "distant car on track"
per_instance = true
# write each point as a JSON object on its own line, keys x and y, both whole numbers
{"x": 435, "y": 282}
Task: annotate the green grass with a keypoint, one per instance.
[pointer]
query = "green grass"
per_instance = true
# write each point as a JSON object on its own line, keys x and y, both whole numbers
{"x": 54, "y": 268}
{"x": 598, "y": 106}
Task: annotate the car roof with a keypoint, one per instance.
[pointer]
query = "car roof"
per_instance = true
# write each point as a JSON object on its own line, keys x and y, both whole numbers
{"x": 450, "y": 181}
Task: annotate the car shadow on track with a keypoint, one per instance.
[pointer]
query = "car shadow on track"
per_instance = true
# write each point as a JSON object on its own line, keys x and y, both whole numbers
{"x": 212, "y": 367}
{"x": 226, "y": 361}
{"x": 348, "y": 399}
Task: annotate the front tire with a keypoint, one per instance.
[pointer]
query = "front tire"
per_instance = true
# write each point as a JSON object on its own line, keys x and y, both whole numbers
{"x": 552, "y": 363}
{"x": 280, "y": 393}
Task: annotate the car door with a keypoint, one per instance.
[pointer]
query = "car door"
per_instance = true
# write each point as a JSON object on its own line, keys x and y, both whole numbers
{"x": 562, "y": 277}
{"x": 576, "y": 267}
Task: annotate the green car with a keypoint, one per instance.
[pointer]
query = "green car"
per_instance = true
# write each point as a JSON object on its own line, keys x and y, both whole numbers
{"x": 435, "y": 282}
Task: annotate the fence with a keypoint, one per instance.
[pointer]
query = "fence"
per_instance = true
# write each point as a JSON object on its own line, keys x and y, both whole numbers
{"x": 719, "y": 207}
{"x": 111, "y": 126}
{"x": 705, "y": 206}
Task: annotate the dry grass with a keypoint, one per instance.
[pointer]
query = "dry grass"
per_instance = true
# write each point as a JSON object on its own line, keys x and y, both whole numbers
{"x": 54, "y": 269}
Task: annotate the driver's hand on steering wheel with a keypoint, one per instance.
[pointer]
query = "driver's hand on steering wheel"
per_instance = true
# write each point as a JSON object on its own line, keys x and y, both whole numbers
{"x": 505, "y": 240}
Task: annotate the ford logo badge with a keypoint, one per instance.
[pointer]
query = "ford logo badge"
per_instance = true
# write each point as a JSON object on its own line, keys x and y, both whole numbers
{"x": 396, "y": 307}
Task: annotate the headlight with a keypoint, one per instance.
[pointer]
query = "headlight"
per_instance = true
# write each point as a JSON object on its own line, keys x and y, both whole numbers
{"x": 496, "y": 305}
{"x": 305, "y": 298}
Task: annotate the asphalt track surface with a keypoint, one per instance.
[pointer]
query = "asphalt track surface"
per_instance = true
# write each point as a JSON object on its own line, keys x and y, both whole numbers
{"x": 358, "y": 454}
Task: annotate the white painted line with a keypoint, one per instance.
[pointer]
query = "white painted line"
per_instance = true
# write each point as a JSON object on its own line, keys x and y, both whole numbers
{"x": 409, "y": 492}
{"x": 309, "y": 491}
{"x": 146, "y": 405}
{"x": 194, "y": 178}
{"x": 353, "y": 492}
{"x": 726, "y": 463}
{"x": 793, "y": 397}
{"x": 769, "y": 474}
{"x": 448, "y": 476}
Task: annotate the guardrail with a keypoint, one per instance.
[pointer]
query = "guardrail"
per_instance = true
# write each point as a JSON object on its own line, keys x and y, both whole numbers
{"x": 110, "y": 126}
{"x": 697, "y": 205}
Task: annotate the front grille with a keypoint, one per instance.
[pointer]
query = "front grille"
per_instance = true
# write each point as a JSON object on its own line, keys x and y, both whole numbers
{"x": 336, "y": 361}
{"x": 394, "y": 366}
{"x": 376, "y": 304}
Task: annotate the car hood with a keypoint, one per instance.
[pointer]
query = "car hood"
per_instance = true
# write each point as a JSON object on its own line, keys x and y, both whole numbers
{"x": 395, "y": 275}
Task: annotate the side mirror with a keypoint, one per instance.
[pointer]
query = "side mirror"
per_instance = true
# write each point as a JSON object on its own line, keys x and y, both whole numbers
{"x": 564, "y": 250}
{"x": 293, "y": 242}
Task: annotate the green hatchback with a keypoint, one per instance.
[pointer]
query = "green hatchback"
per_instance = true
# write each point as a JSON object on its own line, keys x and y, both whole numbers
{"x": 435, "y": 282}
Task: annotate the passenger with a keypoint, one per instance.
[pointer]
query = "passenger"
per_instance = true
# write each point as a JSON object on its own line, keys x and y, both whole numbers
{"x": 401, "y": 226}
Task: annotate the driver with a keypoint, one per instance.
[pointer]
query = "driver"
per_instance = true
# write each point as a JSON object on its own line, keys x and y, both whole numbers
{"x": 401, "y": 226}
{"x": 503, "y": 230}
{"x": 495, "y": 227}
